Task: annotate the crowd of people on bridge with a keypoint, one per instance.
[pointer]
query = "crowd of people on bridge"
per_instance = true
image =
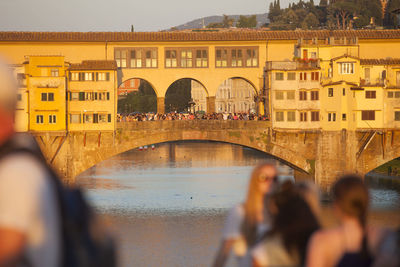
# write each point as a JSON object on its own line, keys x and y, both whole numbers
{"x": 43, "y": 224}
{"x": 189, "y": 116}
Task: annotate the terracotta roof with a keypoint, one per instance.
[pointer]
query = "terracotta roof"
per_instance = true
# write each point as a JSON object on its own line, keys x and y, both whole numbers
{"x": 344, "y": 56}
{"x": 339, "y": 82}
{"x": 95, "y": 65}
{"x": 230, "y": 35}
{"x": 388, "y": 61}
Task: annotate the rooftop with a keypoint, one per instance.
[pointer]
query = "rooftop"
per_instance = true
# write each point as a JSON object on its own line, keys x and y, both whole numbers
{"x": 194, "y": 35}
{"x": 95, "y": 65}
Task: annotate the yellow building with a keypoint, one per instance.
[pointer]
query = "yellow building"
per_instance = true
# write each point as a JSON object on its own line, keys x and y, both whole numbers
{"x": 92, "y": 95}
{"x": 22, "y": 112}
{"x": 294, "y": 93}
{"x": 45, "y": 77}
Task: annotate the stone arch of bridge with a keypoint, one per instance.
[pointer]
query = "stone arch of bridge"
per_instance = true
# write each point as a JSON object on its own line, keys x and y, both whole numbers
{"x": 189, "y": 78}
{"x": 126, "y": 141}
{"x": 145, "y": 80}
{"x": 374, "y": 161}
{"x": 252, "y": 81}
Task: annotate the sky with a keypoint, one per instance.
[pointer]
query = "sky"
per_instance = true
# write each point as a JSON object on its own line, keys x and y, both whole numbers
{"x": 117, "y": 15}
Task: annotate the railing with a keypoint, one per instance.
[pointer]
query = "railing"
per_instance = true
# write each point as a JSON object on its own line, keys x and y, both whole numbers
{"x": 292, "y": 65}
{"x": 206, "y": 125}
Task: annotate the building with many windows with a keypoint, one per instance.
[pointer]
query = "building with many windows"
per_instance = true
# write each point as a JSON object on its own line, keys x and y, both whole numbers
{"x": 46, "y": 88}
{"x": 92, "y": 95}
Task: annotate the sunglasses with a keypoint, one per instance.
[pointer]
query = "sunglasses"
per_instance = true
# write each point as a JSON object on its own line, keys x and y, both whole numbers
{"x": 266, "y": 178}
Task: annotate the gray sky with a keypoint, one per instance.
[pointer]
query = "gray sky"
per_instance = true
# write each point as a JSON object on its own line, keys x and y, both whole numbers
{"x": 117, "y": 15}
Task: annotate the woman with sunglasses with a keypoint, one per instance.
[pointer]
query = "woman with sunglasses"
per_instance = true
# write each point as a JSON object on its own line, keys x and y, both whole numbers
{"x": 246, "y": 222}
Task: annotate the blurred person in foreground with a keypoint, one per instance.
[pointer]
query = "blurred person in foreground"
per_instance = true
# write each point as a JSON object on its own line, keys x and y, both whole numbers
{"x": 247, "y": 222}
{"x": 353, "y": 243}
{"x": 29, "y": 216}
{"x": 294, "y": 209}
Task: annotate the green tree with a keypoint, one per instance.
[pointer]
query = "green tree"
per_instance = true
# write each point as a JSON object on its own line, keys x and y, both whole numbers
{"x": 227, "y": 22}
{"x": 274, "y": 11}
{"x": 178, "y": 96}
{"x": 391, "y": 20}
{"x": 247, "y": 22}
{"x": 310, "y": 22}
{"x": 341, "y": 13}
{"x": 143, "y": 100}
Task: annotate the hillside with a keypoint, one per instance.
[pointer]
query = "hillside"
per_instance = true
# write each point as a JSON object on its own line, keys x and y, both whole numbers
{"x": 198, "y": 23}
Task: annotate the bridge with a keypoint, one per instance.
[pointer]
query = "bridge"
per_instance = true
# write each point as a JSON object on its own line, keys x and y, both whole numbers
{"x": 317, "y": 155}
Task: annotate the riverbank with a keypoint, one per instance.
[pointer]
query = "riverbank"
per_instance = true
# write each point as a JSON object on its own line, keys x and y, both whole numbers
{"x": 382, "y": 180}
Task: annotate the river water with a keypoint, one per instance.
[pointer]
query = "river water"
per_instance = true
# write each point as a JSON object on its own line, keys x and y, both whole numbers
{"x": 167, "y": 206}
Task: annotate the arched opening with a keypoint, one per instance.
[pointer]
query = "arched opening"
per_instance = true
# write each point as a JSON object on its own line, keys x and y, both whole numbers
{"x": 136, "y": 95}
{"x": 386, "y": 175}
{"x": 236, "y": 95}
{"x": 186, "y": 95}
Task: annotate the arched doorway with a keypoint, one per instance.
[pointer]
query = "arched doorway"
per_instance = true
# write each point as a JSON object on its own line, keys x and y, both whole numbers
{"x": 136, "y": 95}
{"x": 186, "y": 95}
{"x": 235, "y": 95}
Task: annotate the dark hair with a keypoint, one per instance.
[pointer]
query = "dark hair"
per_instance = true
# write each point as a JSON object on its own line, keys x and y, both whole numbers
{"x": 294, "y": 220}
{"x": 352, "y": 198}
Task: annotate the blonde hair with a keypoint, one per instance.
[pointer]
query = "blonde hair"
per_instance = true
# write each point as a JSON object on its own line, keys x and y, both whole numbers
{"x": 253, "y": 204}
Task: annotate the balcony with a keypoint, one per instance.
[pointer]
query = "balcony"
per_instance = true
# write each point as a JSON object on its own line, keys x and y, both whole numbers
{"x": 293, "y": 65}
{"x": 373, "y": 83}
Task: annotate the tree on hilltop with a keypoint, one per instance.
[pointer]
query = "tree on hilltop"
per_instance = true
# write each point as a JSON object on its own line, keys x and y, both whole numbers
{"x": 247, "y": 22}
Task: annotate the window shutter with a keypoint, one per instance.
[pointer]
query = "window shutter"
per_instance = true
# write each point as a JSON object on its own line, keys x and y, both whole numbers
{"x": 92, "y": 76}
{"x": 97, "y": 76}
{"x": 107, "y": 76}
{"x": 109, "y": 117}
{"x": 108, "y": 96}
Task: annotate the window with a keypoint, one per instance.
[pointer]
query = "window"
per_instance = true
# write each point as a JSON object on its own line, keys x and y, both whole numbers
{"x": 103, "y": 76}
{"x": 50, "y": 97}
{"x": 279, "y": 76}
{"x": 81, "y": 96}
{"x": 303, "y": 95}
{"x": 237, "y": 58}
{"x": 201, "y": 59}
{"x": 74, "y": 76}
{"x": 186, "y": 58}
{"x": 221, "y": 58}
{"x": 303, "y": 76}
{"x": 52, "y": 119}
{"x": 303, "y": 116}
{"x": 75, "y": 118}
{"x": 151, "y": 58}
{"x": 331, "y": 116}
{"x": 370, "y": 94}
{"x": 170, "y": 59}
{"x": 313, "y": 55}
{"x": 279, "y": 116}
{"x": 39, "y": 119}
{"x": 54, "y": 73}
{"x": 279, "y": 95}
{"x": 87, "y": 118}
{"x": 120, "y": 57}
{"x": 344, "y": 117}
{"x": 109, "y": 117}
{"x": 367, "y": 75}
{"x": 291, "y": 116}
{"x": 390, "y": 94}
{"x": 344, "y": 91}
{"x": 252, "y": 58}
{"x": 314, "y": 115}
{"x": 397, "y": 115}
{"x": 19, "y": 97}
{"x": 346, "y": 68}
{"x": 368, "y": 115}
{"x": 398, "y": 78}
{"x": 88, "y": 96}
{"x": 397, "y": 94}
{"x": 291, "y": 76}
{"x": 136, "y": 58}
{"x": 44, "y": 96}
{"x": 290, "y": 95}
{"x": 314, "y": 95}
{"x": 314, "y": 76}
{"x": 88, "y": 76}
{"x": 102, "y": 118}
{"x": 330, "y": 92}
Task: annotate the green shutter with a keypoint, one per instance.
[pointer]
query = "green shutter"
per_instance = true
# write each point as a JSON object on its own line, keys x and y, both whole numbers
{"x": 107, "y": 76}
